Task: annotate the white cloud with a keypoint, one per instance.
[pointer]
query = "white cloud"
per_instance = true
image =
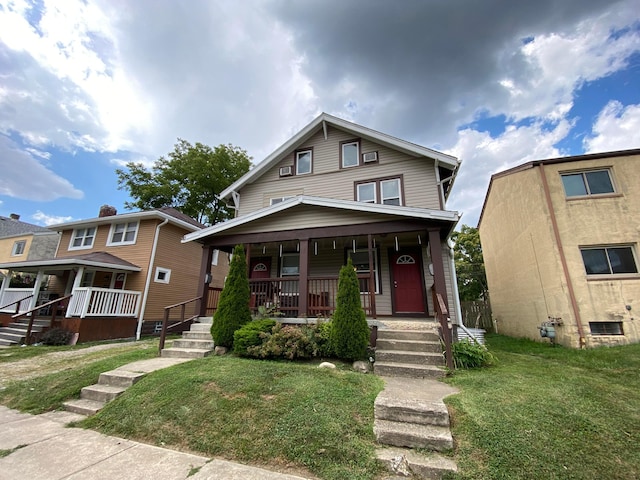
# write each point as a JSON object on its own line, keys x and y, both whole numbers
{"x": 46, "y": 220}
{"x": 616, "y": 128}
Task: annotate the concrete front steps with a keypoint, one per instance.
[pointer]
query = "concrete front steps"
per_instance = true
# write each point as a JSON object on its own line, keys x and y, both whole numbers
{"x": 195, "y": 343}
{"x": 409, "y": 353}
{"x": 16, "y": 332}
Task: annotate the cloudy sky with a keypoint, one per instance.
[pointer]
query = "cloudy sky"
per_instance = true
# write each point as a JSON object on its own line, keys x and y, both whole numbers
{"x": 88, "y": 85}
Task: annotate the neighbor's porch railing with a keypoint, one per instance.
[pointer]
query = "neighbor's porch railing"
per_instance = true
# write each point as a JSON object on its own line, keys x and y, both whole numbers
{"x": 16, "y": 300}
{"x": 283, "y": 293}
{"x": 104, "y": 302}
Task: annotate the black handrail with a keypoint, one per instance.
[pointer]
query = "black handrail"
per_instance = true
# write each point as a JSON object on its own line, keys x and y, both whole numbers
{"x": 165, "y": 320}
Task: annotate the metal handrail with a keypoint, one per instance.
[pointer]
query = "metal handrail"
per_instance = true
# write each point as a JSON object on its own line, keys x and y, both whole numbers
{"x": 165, "y": 320}
{"x": 27, "y": 339}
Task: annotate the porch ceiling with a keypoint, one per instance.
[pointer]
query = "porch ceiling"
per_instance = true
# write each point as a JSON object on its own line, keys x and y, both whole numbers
{"x": 99, "y": 260}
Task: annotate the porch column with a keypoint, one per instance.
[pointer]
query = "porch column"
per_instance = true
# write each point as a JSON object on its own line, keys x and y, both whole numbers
{"x": 77, "y": 281}
{"x": 303, "y": 282}
{"x": 36, "y": 289}
{"x": 205, "y": 274}
{"x": 247, "y": 258}
{"x": 435, "y": 248}
{"x": 372, "y": 279}
{"x": 4, "y": 286}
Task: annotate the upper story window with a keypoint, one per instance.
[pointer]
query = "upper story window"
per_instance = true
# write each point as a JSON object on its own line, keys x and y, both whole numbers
{"x": 609, "y": 260}
{"x": 590, "y": 182}
{"x": 385, "y": 191}
{"x": 350, "y": 153}
{"x": 18, "y": 248}
{"x": 82, "y": 238}
{"x": 123, "y": 233}
{"x": 304, "y": 162}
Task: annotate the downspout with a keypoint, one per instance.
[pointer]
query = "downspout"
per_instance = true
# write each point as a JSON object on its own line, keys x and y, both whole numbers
{"x": 149, "y": 274}
{"x": 563, "y": 260}
{"x": 454, "y": 279}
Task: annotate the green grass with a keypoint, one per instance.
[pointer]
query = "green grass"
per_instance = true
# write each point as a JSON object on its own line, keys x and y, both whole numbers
{"x": 48, "y": 392}
{"x": 262, "y": 412}
{"x": 549, "y": 412}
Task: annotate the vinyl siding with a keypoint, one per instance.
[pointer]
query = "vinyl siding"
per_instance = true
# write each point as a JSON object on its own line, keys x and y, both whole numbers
{"x": 330, "y": 181}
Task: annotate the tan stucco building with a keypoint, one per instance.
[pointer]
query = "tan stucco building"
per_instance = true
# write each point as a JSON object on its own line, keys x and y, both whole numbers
{"x": 560, "y": 244}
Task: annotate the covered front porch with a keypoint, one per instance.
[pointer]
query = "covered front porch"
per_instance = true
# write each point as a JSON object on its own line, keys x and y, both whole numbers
{"x": 85, "y": 294}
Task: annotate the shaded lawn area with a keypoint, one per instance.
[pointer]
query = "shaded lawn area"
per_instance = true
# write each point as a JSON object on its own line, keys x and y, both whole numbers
{"x": 271, "y": 413}
{"x": 548, "y": 412}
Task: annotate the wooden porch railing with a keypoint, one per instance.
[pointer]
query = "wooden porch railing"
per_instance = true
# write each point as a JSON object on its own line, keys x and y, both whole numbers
{"x": 167, "y": 311}
{"x": 213, "y": 299}
{"x": 283, "y": 294}
{"x": 16, "y": 297}
{"x": 104, "y": 302}
{"x": 442, "y": 314}
{"x": 61, "y": 302}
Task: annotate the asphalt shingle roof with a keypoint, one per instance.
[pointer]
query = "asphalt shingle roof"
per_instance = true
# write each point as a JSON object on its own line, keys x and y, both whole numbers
{"x": 10, "y": 227}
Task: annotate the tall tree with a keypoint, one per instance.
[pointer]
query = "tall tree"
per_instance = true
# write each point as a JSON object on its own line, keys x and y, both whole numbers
{"x": 472, "y": 280}
{"x": 190, "y": 178}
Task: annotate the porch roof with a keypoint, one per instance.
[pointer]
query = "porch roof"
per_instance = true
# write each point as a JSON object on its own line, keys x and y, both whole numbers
{"x": 102, "y": 260}
{"x": 399, "y": 212}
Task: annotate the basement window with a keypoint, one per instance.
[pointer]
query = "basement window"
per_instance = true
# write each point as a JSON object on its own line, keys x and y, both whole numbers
{"x": 606, "y": 328}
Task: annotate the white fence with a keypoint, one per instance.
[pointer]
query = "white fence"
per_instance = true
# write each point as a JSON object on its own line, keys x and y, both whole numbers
{"x": 103, "y": 302}
{"x": 12, "y": 295}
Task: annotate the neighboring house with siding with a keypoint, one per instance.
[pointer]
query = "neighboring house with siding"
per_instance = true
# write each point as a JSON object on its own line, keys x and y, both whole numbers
{"x": 121, "y": 270}
{"x": 337, "y": 190}
{"x": 560, "y": 240}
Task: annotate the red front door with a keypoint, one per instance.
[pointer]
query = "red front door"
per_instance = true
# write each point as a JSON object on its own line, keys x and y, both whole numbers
{"x": 407, "y": 283}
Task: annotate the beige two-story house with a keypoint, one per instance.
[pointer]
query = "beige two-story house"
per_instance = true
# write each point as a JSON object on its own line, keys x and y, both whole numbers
{"x": 116, "y": 273}
{"x": 337, "y": 190}
{"x": 560, "y": 244}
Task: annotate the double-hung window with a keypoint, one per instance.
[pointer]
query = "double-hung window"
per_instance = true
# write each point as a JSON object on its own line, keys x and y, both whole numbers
{"x": 123, "y": 233}
{"x": 385, "y": 191}
{"x": 360, "y": 259}
{"x": 82, "y": 238}
{"x": 18, "y": 248}
{"x": 586, "y": 183}
{"x": 290, "y": 264}
{"x": 610, "y": 260}
{"x": 350, "y": 154}
{"x": 304, "y": 162}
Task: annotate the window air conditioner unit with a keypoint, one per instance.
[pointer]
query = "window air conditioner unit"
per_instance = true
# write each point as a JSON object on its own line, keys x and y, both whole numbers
{"x": 286, "y": 171}
{"x": 370, "y": 157}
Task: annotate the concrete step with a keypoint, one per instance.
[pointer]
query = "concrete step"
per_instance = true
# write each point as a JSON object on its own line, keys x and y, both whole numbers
{"x": 408, "y": 345}
{"x": 200, "y": 327}
{"x": 418, "y": 358}
{"x": 83, "y": 406}
{"x": 7, "y": 343}
{"x": 425, "y": 335}
{"x": 21, "y": 322}
{"x": 407, "y": 463}
{"x": 190, "y": 343}
{"x": 11, "y": 337}
{"x": 197, "y": 335}
{"x": 101, "y": 393}
{"x": 119, "y": 378}
{"x": 407, "y": 370}
{"x": 400, "y": 434}
{"x": 20, "y": 330}
{"x": 185, "y": 352}
{"x": 411, "y": 410}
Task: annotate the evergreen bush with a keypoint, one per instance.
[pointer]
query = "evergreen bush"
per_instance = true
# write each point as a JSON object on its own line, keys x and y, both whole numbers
{"x": 56, "y": 336}
{"x": 233, "y": 308}
{"x": 469, "y": 354}
{"x": 249, "y": 335}
{"x": 289, "y": 341}
{"x": 350, "y": 332}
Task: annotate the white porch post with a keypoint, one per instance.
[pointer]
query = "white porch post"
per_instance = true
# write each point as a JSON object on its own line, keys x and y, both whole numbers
{"x": 76, "y": 284}
{"x": 36, "y": 289}
{"x": 3, "y": 287}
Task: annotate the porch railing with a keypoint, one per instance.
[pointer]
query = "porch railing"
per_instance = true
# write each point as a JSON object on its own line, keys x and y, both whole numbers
{"x": 442, "y": 315}
{"x": 283, "y": 294}
{"x": 16, "y": 300}
{"x": 213, "y": 298}
{"x": 52, "y": 306}
{"x": 183, "y": 318}
{"x": 104, "y": 302}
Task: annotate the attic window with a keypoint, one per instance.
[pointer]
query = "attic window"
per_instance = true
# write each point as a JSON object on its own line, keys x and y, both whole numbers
{"x": 18, "y": 248}
{"x": 350, "y": 153}
{"x": 304, "y": 162}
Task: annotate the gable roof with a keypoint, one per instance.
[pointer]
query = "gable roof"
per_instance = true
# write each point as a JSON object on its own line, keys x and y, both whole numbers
{"x": 165, "y": 213}
{"x": 394, "y": 210}
{"x": 10, "y": 227}
{"x": 321, "y": 122}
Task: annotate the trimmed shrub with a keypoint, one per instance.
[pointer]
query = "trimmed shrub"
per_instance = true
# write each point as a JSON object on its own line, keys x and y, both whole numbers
{"x": 468, "y": 354}
{"x": 289, "y": 341}
{"x": 249, "y": 335}
{"x": 233, "y": 308}
{"x": 323, "y": 337}
{"x": 56, "y": 336}
{"x": 350, "y": 332}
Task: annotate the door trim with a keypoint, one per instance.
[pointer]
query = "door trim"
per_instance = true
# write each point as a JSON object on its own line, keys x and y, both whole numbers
{"x": 417, "y": 252}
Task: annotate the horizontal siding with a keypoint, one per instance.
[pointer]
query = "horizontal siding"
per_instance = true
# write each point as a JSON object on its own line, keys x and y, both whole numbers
{"x": 329, "y": 180}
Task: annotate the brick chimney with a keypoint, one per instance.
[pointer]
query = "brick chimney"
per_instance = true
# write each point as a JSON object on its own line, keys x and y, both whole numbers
{"x": 14, "y": 216}
{"x": 107, "y": 211}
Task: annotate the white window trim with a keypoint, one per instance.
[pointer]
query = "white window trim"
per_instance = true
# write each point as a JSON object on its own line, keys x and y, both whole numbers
{"x": 301, "y": 152}
{"x": 83, "y": 247}
{"x": 399, "y": 197}
{"x": 87, "y": 278}
{"x": 167, "y": 277}
{"x": 346, "y": 144}
{"x": 14, "y": 250}
{"x": 111, "y": 243}
{"x": 375, "y": 191}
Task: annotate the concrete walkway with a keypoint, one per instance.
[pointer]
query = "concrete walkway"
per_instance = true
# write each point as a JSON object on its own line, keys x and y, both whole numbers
{"x": 42, "y": 448}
